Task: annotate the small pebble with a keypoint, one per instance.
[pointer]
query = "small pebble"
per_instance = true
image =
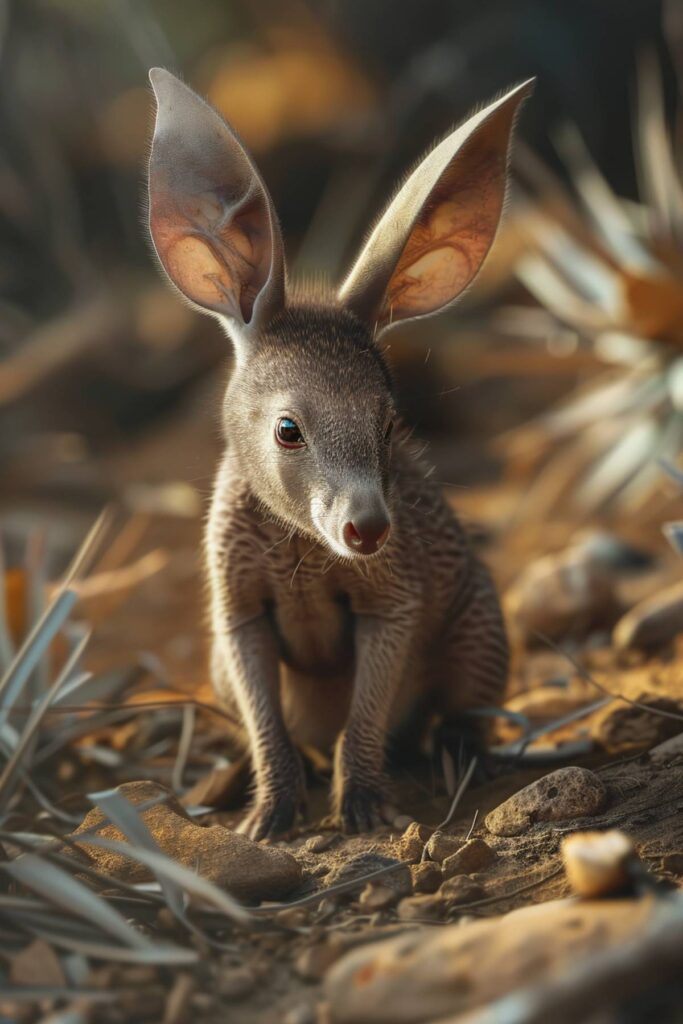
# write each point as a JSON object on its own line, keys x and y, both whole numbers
{"x": 471, "y": 856}
{"x": 421, "y": 908}
{"x": 413, "y": 841}
{"x": 361, "y": 864}
{"x": 377, "y": 897}
{"x": 461, "y": 889}
{"x": 441, "y": 846}
{"x": 427, "y": 877}
{"x": 544, "y": 703}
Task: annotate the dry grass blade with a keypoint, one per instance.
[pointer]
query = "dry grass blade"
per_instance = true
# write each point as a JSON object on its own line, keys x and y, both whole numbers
{"x": 6, "y": 645}
{"x": 551, "y": 289}
{"x": 610, "y": 473}
{"x": 517, "y": 748}
{"x": 673, "y": 471}
{"x": 123, "y": 579}
{"x": 87, "y": 552}
{"x": 36, "y": 579}
{"x": 36, "y": 844}
{"x": 163, "y": 954}
{"x": 33, "y": 724}
{"x": 61, "y": 889}
{"x": 31, "y": 993}
{"x": 656, "y": 164}
{"x": 329, "y": 891}
{"x": 674, "y": 534}
{"x": 93, "y": 689}
{"x": 511, "y": 893}
{"x": 184, "y": 746}
{"x": 609, "y": 215}
{"x": 459, "y": 793}
{"x": 33, "y": 649}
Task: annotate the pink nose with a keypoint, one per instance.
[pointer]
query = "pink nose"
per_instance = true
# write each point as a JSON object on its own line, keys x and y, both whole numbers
{"x": 366, "y": 534}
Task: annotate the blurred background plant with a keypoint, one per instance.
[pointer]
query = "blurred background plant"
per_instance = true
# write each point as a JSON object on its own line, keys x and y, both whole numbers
{"x": 607, "y": 271}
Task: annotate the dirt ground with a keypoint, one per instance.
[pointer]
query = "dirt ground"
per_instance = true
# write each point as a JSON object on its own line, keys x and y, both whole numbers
{"x": 277, "y": 972}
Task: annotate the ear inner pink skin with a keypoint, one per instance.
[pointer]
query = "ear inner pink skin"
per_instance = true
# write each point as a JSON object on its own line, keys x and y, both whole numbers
{"x": 211, "y": 218}
{"x": 217, "y": 261}
{"x": 454, "y": 230}
{"x": 433, "y": 236}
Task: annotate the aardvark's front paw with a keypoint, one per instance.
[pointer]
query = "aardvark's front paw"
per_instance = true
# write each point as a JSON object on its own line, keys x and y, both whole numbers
{"x": 363, "y": 806}
{"x": 272, "y": 815}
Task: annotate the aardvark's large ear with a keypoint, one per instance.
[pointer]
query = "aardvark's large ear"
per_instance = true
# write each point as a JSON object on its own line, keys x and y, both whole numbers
{"x": 210, "y": 215}
{"x": 434, "y": 236}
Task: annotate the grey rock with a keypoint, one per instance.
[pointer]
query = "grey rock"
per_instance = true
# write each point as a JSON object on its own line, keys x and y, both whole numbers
{"x": 563, "y": 794}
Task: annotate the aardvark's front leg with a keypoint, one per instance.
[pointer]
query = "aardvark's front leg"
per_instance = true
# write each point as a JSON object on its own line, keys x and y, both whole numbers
{"x": 360, "y": 787}
{"x": 250, "y": 656}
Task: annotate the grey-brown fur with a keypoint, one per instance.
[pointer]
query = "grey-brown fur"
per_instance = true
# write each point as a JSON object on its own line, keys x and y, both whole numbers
{"x": 314, "y": 643}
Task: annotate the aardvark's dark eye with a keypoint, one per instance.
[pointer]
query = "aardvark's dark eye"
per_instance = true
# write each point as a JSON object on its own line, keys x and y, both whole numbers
{"x": 288, "y": 434}
{"x": 388, "y": 432}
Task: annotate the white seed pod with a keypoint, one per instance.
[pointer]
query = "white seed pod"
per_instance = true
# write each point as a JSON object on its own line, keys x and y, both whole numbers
{"x": 597, "y": 863}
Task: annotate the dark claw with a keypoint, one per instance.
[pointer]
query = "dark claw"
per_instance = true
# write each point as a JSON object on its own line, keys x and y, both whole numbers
{"x": 363, "y": 808}
{"x": 271, "y": 817}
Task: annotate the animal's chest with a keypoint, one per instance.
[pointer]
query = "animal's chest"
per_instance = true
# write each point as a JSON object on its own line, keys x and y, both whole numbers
{"x": 312, "y": 618}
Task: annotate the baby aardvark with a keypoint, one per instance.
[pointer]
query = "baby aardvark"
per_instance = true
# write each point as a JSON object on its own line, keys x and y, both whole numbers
{"x": 345, "y": 598}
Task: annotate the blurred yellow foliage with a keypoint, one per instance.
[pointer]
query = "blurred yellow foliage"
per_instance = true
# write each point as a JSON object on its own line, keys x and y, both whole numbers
{"x": 303, "y": 86}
